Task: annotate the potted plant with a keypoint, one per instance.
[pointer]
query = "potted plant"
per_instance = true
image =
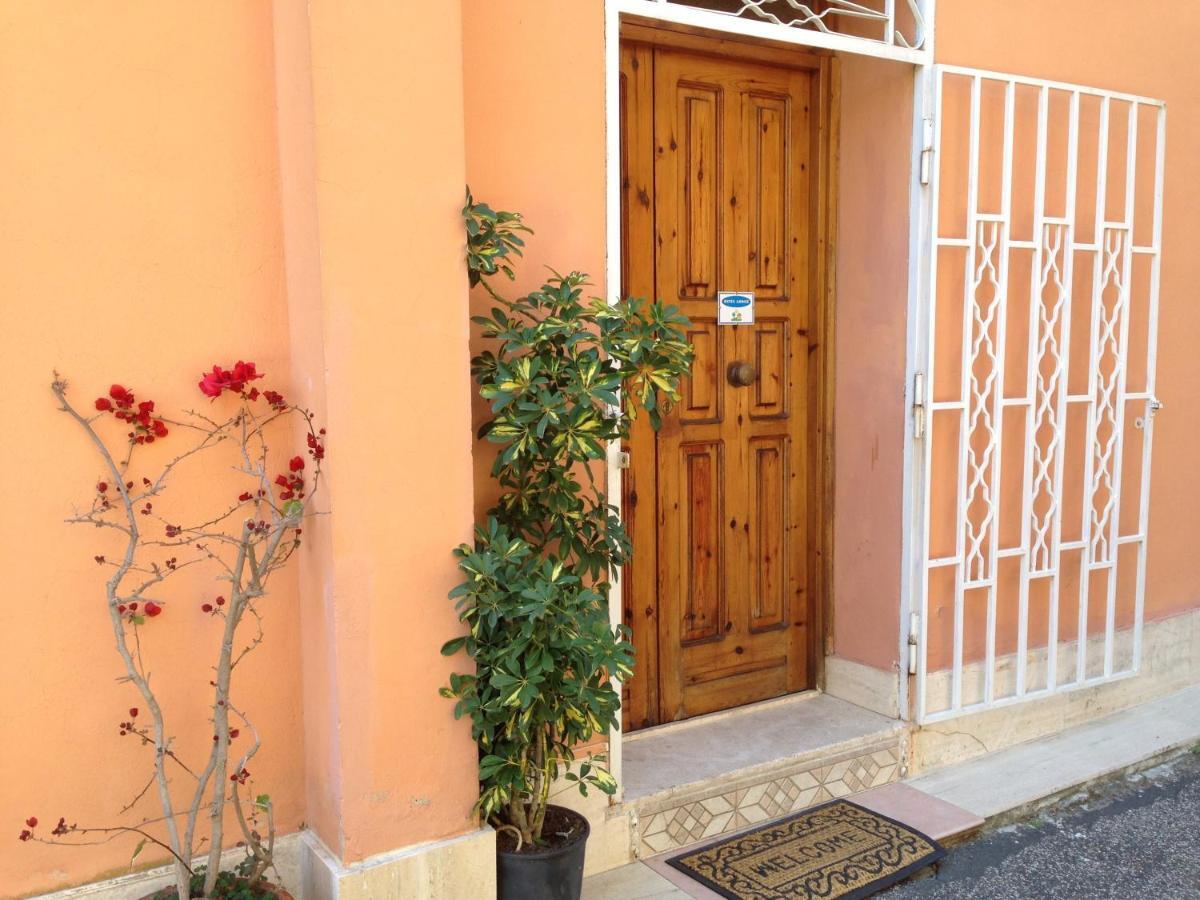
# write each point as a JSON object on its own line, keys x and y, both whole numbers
{"x": 566, "y": 377}
{"x": 244, "y": 540}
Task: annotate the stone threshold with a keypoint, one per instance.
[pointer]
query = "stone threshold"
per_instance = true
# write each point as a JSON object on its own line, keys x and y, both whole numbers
{"x": 707, "y": 777}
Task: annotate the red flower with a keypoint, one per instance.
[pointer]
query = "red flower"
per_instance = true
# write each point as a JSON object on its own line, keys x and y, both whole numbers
{"x": 152, "y": 608}
{"x": 102, "y": 486}
{"x": 146, "y": 427}
{"x": 133, "y": 711}
{"x": 296, "y": 464}
{"x": 220, "y": 601}
{"x": 210, "y": 385}
{"x": 31, "y": 821}
{"x": 275, "y": 399}
{"x": 218, "y": 380}
{"x": 244, "y": 496}
{"x": 206, "y": 607}
{"x": 25, "y": 834}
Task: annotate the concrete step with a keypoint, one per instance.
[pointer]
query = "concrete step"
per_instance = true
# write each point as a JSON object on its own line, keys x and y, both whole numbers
{"x": 941, "y": 820}
{"x": 1011, "y": 782}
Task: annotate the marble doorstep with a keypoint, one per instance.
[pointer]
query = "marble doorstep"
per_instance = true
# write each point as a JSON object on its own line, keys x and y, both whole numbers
{"x": 754, "y": 738}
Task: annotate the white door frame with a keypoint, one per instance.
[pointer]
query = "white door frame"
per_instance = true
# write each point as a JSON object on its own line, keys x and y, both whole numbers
{"x": 680, "y": 14}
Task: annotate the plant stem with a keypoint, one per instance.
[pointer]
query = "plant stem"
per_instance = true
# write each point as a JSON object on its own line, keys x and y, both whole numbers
{"x": 237, "y": 603}
{"x": 133, "y": 671}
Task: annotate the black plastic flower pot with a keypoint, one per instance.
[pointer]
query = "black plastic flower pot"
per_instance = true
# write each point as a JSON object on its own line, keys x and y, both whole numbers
{"x": 550, "y": 873}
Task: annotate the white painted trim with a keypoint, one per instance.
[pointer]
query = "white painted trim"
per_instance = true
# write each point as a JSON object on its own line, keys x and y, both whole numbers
{"x": 912, "y": 549}
{"x": 921, "y": 219}
{"x": 612, "y": 288}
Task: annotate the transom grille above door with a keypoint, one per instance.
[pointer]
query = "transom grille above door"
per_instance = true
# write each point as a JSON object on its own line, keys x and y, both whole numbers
{"x": 1036, "y": 394}
{"x": 894, "y": 29}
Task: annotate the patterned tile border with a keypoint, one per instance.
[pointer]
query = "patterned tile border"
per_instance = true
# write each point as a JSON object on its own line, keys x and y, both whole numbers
{"x": 676, "y": 822}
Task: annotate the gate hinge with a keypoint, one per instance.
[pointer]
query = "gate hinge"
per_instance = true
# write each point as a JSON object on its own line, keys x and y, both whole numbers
{"x": 914, "y": 639}
{"x": 918, "y": 405}
{"x": 623, "y": 459}
{"x": 926, "y": 148}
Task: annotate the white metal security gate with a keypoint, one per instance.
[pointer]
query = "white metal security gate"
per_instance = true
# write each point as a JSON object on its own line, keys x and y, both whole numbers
{"x": 1034, "y": 388}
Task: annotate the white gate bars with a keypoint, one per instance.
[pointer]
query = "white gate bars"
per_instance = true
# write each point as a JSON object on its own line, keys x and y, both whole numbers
{"x": 1036, "y": 364}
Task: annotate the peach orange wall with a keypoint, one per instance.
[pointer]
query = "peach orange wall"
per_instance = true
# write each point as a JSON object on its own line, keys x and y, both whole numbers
{"x": 1150, "y": 53}
{"x": 534, "y": 103}
{"x": 140, "y": 214}
{"x": 870, "y": 322}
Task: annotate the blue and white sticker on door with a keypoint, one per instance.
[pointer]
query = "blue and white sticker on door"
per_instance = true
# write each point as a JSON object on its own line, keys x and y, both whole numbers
{"x": 735, "y": 307}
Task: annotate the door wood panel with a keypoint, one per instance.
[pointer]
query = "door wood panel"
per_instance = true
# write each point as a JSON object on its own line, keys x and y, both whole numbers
{"x": 718, "y": 195}
{"x": 639, "y": 580}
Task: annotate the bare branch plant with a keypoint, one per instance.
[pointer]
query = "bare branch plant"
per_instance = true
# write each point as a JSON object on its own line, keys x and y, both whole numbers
{"x": 246, "y": 542}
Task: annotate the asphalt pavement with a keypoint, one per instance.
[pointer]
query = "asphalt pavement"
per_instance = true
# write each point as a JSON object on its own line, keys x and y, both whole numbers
{"x": 1135, "y": 838}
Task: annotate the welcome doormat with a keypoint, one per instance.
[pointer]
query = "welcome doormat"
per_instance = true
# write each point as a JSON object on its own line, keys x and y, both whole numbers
{"x": 837, "y": 850}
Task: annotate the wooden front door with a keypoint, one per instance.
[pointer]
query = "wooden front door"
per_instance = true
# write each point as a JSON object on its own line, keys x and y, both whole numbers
{"x": 718, "y": 155}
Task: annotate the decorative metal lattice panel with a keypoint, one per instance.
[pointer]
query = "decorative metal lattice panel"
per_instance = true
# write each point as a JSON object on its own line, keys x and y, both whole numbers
{"x": 1037, "y": 388}
{"x": 896, "y": 28}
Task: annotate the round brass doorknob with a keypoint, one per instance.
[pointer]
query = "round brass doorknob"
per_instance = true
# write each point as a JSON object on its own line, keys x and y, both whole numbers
{"x": 741, "y": 374}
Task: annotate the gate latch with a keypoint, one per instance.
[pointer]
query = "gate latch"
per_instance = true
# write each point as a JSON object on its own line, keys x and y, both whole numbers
{"x": 1152, "y": 408}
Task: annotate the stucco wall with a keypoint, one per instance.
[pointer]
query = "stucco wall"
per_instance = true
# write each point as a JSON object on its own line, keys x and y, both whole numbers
{"x": 534, "y": 102}
{"x": 870, "y": 317}
{"x": 388, "y": 164}
{"x": 140, "y": 210}
{"x": 165, "y": 208}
